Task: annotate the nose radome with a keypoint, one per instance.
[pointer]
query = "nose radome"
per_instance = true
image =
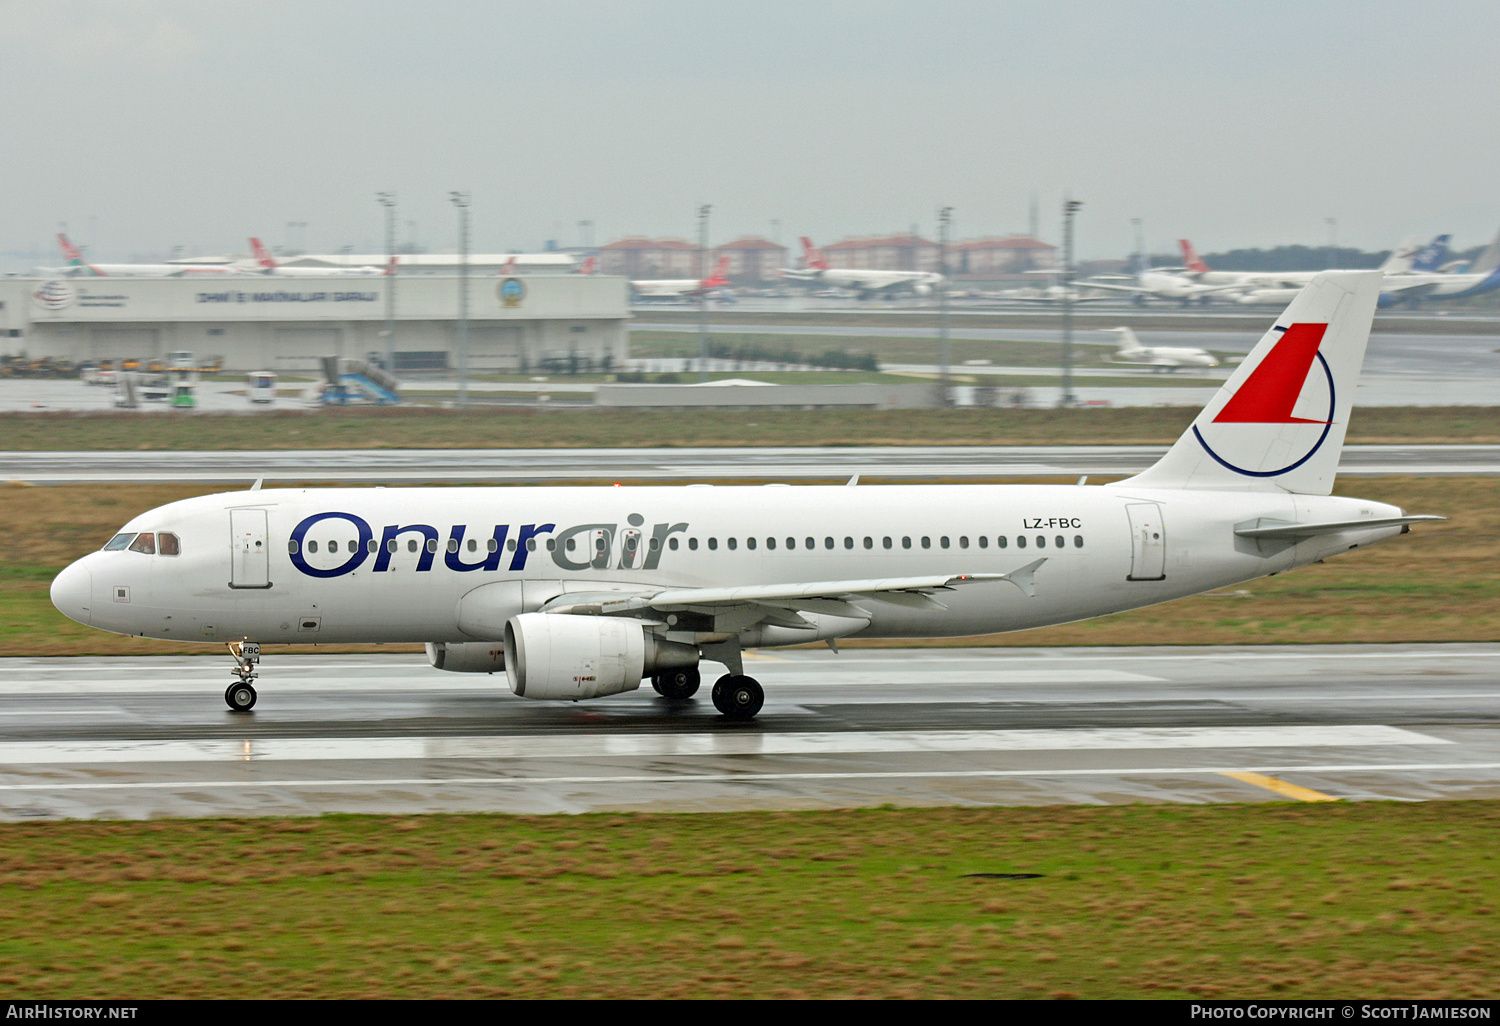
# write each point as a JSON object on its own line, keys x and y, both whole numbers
{"x": 72, "y": 592}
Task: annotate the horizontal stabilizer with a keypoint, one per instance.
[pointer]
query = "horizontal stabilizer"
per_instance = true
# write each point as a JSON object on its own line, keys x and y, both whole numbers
{"x": 1266, "y": 528}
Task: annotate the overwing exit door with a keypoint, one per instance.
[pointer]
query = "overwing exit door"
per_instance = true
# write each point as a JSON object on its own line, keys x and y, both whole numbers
{"x": 250, "y": 556}
{"x": 1148, "y": 542}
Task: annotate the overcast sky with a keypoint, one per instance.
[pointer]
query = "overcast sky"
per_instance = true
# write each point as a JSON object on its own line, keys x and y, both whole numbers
{"x": 149, "y": 124}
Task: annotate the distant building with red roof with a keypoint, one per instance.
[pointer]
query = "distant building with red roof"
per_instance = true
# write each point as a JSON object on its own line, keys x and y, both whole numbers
{"x": 752, "y": 258}
{"x": 641, "y": 258}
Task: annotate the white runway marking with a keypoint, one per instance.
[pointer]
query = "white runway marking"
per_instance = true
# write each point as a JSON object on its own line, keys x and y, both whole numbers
{"x": 745, "y": 778}
{"x": 607, "y": 746}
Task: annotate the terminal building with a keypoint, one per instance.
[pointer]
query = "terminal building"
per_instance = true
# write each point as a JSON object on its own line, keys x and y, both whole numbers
{"x": 288, "y": 324}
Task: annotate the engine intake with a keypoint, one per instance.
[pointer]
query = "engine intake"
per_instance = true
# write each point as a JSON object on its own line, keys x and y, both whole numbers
{"x": 564, "y": 657}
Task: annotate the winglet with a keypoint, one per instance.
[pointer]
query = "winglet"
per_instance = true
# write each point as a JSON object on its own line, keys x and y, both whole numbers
{"x": 1025, "y": 578}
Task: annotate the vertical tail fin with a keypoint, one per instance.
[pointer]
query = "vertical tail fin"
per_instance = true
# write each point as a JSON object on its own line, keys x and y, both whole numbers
{"x": 1488, "y": 260}
{"x": 1402, "y": 256}
{"x": 589, "y": 266}
{"x": 509, "y": 267}
{"x": 263, "y": 258}
{"x": 1128, "y": 341}
{"x": 1430, "y": 256}
{"x": 812, "y": 256}
{"x": 75, "y": 258}
{"x": 1278, "y": 423}
{"x": 720, "y": 275}
{"x": 1190, "y": 258}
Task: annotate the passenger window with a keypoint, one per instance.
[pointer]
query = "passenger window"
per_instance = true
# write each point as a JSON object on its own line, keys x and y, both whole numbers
{"x": 493, "y": 546}
{"x": 1020, "y": 541}
{"x": 828, "y": 543}
{"x": 770, "y": 543}
{"x": 906, "y": 541}
{"x": 1059, "y": 541}
{"x": 926, "y": 542}
{"x": 573, "y": 545}
{"x": 452, "y": 544}
{"x": 431, "y": 544}
{"x": 1041, "y": 541}
{"x": 390, "y": 545}
{"x": 943, "y": 541}
{"x": 886, "y": 541}
{"x": 118, "y": 542}
{"x": 411, "y": 545}
{"x": 292, "y": 546}
{"x": 984, "y": 541}
{"x": 749, "y": 543}
{"x": 713, "y": 543}
{"x": 333, "y": 546}
{"x": 1001, "y": 542}
{"x": 473, "y": 545}
{"x": 510, "y": 546}
{"x": 552, "y": 544}
{"x": 145, "y": 543}
{"x": 693, "y": 544}
{"x": 167, "y": 544}
{"x": 312, "y": 547}
{"x": 1078, "y": 541}
{"x": 848, "y": 542}
{"x": 671, "y": 544}
{"x": 811, "y": 544}
{"x": 655, "y": 544}
{"x": 733, "y": 545}
{"x": 869, "y": 542}
{"x": 530, "y": 545}
{"x": 791, "y": 543}
{"x": 963, "y": 541}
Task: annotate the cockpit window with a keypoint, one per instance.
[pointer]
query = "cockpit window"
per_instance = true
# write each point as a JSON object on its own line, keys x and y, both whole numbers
{"x": 167, "y": 544}
{"x": 118, "y": 542}
{"x": 145, "y": 543}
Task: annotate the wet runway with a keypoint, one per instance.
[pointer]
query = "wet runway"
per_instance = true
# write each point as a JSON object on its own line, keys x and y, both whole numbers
{"x": 150, "y": 736}
{"x": 415, "y": 466}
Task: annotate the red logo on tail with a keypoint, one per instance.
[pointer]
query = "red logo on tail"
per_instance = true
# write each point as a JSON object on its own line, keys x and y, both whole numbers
{"x": 1271, "y": 391}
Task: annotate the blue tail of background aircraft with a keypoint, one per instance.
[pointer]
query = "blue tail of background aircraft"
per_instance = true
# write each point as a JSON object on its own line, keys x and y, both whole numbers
{"x": 1431, "y": 256}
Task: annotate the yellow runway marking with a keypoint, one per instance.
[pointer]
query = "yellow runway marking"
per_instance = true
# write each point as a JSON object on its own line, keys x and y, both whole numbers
{"x": 1281, "y": 787}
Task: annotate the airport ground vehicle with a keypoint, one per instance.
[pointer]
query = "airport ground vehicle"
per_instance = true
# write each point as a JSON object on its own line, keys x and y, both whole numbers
{"x": 579, "y": 593}
{"x": 260, "y": 386}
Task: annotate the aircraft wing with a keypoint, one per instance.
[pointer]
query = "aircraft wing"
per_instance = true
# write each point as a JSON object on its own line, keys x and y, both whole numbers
{"x": 813, "y": 596}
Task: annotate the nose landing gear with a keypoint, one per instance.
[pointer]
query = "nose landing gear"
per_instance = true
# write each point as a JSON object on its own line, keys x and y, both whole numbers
{"x": 240, "y": 696}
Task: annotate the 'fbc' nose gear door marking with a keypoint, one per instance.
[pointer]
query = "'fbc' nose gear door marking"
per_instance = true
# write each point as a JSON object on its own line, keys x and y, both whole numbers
{"x": 250, "y": 565}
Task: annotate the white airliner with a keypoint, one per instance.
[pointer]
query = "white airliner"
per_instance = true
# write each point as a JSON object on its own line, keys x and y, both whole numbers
{"x": 683, "y": 288}
{"x": 265, "y": 263}
{"x": 578, "y": 593}
{"x": 77, "y": 266}
{"x": 1167, "y": 358}
{"x": 865, "y": 283}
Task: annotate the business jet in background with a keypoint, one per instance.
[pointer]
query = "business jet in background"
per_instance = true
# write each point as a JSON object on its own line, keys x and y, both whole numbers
{"x": 77, "y": 266}
{"x": 677, "y": 289}
{"x": 865, "y": 284}
{"x": 1160, "y": 358}
{"x": 265, "y": 263}
{"x": 579, "y": 593}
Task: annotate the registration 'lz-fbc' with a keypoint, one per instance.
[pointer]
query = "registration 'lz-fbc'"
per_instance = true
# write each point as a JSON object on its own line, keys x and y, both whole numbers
{"x": 580, "y": 593}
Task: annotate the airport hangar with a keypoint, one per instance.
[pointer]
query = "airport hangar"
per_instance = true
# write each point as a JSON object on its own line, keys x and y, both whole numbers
{"x": 287, "y": 324}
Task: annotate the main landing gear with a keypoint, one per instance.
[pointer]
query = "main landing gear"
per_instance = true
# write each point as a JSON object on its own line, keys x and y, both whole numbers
{"x": 240, "y": 696}
{"x": 737, "y": 696}
{"x": 677, "y": 684}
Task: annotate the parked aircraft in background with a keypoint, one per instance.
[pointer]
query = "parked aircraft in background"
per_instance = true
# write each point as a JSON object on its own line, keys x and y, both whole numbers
{"x": 1162, "y": 358}
{"x": 864, "y": 283}
{"x": 78, "y": 266}
{"x": 578, "y": 593}
{"x": 589, "y": 266}
{"x": 265, "y": 263}
{"x": 1160, "y": 283}
{"x": 683, "y": 288}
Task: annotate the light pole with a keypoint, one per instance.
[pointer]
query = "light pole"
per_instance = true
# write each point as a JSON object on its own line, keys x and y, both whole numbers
{"x": 1070, "y": 207}
{"x": 945, "y": 219}
{"x": 461, "y": 201}
{"x": 1140, "y": 246}
{"x": 703, "y": 292}
{"x": 388, "y": 200}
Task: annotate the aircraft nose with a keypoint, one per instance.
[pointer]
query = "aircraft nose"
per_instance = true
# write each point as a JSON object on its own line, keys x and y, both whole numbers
{"x": 72, "y": 591}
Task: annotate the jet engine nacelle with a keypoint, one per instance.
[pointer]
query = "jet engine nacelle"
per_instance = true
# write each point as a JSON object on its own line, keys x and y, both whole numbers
{"x": 565, "y": 657}
{"x": 467, "y": 657}
{"x": 922, "y": 290}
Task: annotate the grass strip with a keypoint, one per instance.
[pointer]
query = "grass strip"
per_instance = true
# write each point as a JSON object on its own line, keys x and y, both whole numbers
{"x": 1382, "y": 900}
{"x": 511, "y": 427}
